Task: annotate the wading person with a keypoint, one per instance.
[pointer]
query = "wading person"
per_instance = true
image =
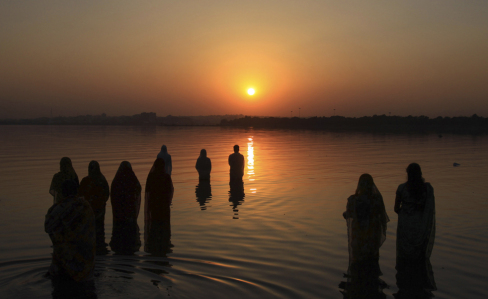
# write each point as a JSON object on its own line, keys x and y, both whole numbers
{"x": 236, "y": 163}
{"x": 163, "y": 154}
{"x": 126, "y": 201}
{"x": 66, "y": 172}
{"x": 366, "y": 221}
{"x": 94, "y": 188}
{"x": 415, "y": 206}
{"x": 203, "y": 166}
{"x": 157, "y": 214}
{"x": 70, "y": 224}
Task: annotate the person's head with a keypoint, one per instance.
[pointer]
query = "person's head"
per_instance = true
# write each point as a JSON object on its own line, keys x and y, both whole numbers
{"x": 65, "y": 164}
{"x": 164, "y": 149}
{"x": 203, "y": 153}
{"x": 94, "y": 168}
{"x": 236, "y": 148}
{"x": 365, "y": 185}
{"x": 124, "y": 166}
{"x": 414, "y": 173}
{"x": 69, "y": 188}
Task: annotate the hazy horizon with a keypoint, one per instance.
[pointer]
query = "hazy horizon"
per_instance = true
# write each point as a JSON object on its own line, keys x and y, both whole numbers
{"x": 194, "y": 58}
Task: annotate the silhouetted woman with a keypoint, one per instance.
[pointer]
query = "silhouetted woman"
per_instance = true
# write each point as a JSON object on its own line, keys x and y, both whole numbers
{"x": 158, "y": 197}
{"x": 94, "y": 188}
{"x": 203, "y": 165}
{"x": 415, "y": 206}
{"x": 66, "y": 172}
{"x": 70, "y": 224}
{"x": 366, "y": 221}
{"x": 126, "y": 202}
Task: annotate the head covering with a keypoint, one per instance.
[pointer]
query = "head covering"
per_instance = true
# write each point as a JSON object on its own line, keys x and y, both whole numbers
{"x": 126, "y": 194}
{"x": 203, "y": 165}
{"x": 66, "y": 172}
{"x": 203, "y": 153}
{"x": 164, "y": 149}
{"x": 416, "y": 184}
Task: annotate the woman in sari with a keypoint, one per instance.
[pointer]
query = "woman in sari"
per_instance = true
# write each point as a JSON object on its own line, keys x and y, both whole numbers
{"x": 126, "y": 202}
{"x": 66, "y": 172}
{"x": 158, "y": 197}
{"x": 94, "y": 188}
{"x": 415, "y": 206}
{"x": 366, "y": 221}
{"x": 70, "y": 224}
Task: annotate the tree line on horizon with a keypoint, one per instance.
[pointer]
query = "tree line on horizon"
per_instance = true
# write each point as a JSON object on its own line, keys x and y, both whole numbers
{"x": 378, "y": 123}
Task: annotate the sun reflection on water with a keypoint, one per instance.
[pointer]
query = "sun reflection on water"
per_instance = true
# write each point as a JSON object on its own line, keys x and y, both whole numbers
{"x": 250, "y": 161}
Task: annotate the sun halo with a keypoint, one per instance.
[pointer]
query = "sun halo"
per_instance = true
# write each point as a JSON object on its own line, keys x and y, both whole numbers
{"x": 251, "y": 91}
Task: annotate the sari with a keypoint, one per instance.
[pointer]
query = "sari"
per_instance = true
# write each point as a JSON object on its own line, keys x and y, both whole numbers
{"x": 126, "y": 202}
{"x": 71, "y": 227}
{"x": 157, "y": 214}
{"x": 94, "y": 188}
{"x": 366, "y": 221}
{"x": 416, "y": 224}
{"x": 66, "y": 172}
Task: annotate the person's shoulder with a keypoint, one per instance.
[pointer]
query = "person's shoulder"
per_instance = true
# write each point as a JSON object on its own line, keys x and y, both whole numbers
{"x": 351, "y": 198}
{"x": 429, "y": 186}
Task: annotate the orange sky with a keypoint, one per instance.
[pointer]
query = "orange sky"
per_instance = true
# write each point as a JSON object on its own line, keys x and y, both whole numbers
{"x": 200, "y": 57}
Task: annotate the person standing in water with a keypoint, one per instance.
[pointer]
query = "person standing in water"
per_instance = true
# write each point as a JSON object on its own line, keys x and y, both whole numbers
{"x": 66, "y": 172}
{"x": 94, "y": 188}
{"x": 163, "y": 154}
{"x": 203, "y": 166}
{"x": 236, "y": 163}
{"x": 70, "y": 224}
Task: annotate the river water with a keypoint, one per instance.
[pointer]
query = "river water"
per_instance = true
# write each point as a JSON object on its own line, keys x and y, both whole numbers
{"x": 284, "y": 238}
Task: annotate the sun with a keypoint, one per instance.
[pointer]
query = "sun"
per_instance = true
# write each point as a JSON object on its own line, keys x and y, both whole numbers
{"x": 251, "y": 91}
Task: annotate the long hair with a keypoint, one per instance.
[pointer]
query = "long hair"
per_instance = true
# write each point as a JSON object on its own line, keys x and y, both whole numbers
{"x": 416, "y": 183}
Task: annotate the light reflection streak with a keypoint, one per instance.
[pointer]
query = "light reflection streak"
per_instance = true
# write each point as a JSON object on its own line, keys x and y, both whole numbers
{"x": 250, "y": 161}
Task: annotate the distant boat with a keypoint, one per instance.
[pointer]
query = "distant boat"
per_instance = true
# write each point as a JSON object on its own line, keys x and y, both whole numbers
{"x": 455, "y": 164}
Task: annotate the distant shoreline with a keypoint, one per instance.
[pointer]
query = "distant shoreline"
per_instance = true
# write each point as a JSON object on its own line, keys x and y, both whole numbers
{"x": 474, "y": 124}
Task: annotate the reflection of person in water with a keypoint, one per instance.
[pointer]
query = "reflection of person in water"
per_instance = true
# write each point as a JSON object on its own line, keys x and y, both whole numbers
{"x": 415, "y": 206}
{"x": 236, "y": 195}
{"x": 163, "y": 154}
{"x": 126, "y": 202}
{"x": 366, "y": 221}
{"x": 158, "y": 197}
{"x": 363, "y": 281}
{"x": 236, "y": 163}
{"x": 94, "y": 188}
{"x": 67, "y": 172}
{"x": 71, "y": 227}
{"x": 203, "y": 165}
{"x": 203, "y": 192}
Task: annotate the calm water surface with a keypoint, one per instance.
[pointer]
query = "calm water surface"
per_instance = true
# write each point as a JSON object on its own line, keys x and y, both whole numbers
{"x": 285, "y": 238}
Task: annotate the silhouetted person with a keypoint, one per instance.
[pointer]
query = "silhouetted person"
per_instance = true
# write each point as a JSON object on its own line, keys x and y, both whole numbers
{"x": 71, "y": 227}
{"x": 366, "y": 221}
{"x": 94, "y": 188}
{"x": 363, "y": 281}
{"x": 157, "y": 213}
{"x": 203, "y": 166}
{"x": 126, "y": 202}
{"x": 203, "y": 192}
{"x": 66, "y": 172}
{"x": 236, "y": 163}
{"x": 415, "y": 205}
{"x": 163, "y": 154}
{"x": 236, "y": 195}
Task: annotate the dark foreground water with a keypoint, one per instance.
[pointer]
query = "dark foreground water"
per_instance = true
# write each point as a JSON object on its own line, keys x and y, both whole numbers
{"x": 285, "y": 238}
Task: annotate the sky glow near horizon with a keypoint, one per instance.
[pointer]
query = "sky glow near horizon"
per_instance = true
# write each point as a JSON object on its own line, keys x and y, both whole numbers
{"x": 197, "y": 57}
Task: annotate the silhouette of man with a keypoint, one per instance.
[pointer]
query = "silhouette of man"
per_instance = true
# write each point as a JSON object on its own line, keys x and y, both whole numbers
{"x": 163, "y": 154}
{"x": 203, "y": 165}
{"x": 236, "y": 163}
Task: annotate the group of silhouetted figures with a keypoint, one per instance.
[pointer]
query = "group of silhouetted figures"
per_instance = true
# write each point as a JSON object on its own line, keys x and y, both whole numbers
{"x": 75, "y": 222}
{"x": 366, "y": 228}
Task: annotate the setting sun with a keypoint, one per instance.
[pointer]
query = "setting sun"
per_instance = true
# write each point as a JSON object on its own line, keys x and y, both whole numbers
{"x": 250, "y": 91}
